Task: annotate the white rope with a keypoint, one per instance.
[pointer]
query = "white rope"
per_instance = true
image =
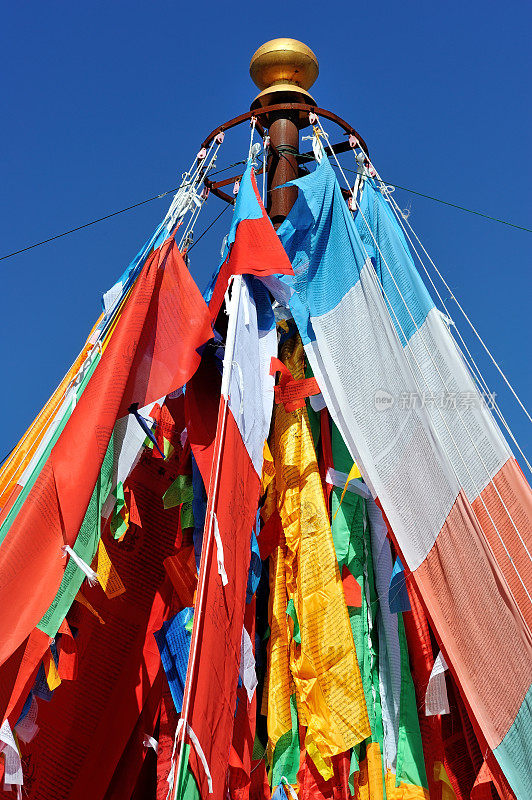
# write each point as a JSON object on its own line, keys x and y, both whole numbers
{"x": 192, "y": 196}
{"x": 477, "y": 334}
{"x": 474, "y": 369}
{"x": 381, "y": 288}
{"x": 91, "y": 575}
{"x": 253, "y": 122}
{"x": 265, "y": 145}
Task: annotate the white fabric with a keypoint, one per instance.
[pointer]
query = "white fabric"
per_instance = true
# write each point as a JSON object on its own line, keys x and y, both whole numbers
{"x": 128, "y": 441}
{"x": 339, "y": 479}
{"x": 290, "y": 788}
{"x": 199, "y": 750}
{"x": 317, "y": 401}
{"x": 482, "y": 448}
{"x": 149, "y": 741}
{"x": 247, "y": 665}
{"x": 219, "y": 550}
{"x": 12, "y": 763}
{"x": 251, "y": 387}
{"x": 355, "y": 361}
{"x": 436, "y": 699}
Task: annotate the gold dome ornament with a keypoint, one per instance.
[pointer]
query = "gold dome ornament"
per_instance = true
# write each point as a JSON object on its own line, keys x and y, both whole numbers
{"x": 284, "y": 69}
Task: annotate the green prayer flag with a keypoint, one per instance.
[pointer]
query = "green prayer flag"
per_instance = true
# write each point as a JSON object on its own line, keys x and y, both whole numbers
{"x": 85, "y": 547}
{"x": 285, "y": 762}
{"x": 291, "y": 611}
{"x": 180, "y": 491}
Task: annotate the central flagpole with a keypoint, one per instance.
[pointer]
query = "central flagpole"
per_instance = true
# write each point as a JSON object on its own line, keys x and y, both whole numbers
{"x": 284, "y": 69}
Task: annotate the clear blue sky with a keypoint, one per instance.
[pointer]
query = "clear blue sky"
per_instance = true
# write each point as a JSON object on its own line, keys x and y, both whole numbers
{"x": 106, "y": 103}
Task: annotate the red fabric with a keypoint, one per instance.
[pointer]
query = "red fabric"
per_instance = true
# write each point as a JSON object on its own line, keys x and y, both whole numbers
{"x": 167, "y": 727}
{"x": 218, "y": 626}
{"x": 202, "y": 403}
{"x": 459, "y": 533}
{"x": 450, "y": 738}
{"x": 239, "y": 779}
{"x": 313, "y": 787}
{"x": 181, "y": 570}
{"x": 135, "y": 774}
{"x": 421, "y": 662}
{"x": 270, "y": 535}
{"x": 260, "y": 786}
{"x": 89, "y": 723}
{"x": 152, "y": 351}
{"x": 17, "y": 675}
{"x": 289, "y": 392}
{"x": 257, "y": 250}
{"x": 351, "y": 587}
{"x": 68, "y": 654}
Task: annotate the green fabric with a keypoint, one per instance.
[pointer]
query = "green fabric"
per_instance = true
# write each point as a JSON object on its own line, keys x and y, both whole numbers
{"x": 187, "y": 788}
{"x": 186, "y": 515}
{"x": 353, "y": 767}
{"x": 286, "y": 755}
{"x": 189, "y": 624}
{"x": 85, "y": 547}
{"x": 291, "y": 611}
{"x": 179, "y": 492}
{"x": 258, "y": 749}
{"x": 28, "y": 486}
{"x": 351, "y": 536}
{"x": 118, "y": 525}
{"x": 410, "y": 760}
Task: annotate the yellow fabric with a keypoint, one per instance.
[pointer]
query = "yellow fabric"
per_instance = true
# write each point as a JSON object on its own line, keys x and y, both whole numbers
{"x": 354, "y": 472}
{"x": 323, "y": 765}
{"x": 52, "y": 675}
{"x": 108, "y": 577}
{"x": 268, "y": 468}
{"x": 440, "y": 774}
{"x": 405, "y": 791}
{"x": 324, "y": 667}
{"x": 368, "y": 779}
{"x": 279, "y": 685}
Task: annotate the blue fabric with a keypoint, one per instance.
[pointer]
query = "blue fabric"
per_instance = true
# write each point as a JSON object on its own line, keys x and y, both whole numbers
{"x": 255, "y": 567}
{"x": 246, "y": 204}
{"x": 279, "y": 793}
{"x": 40, "y": 687}
{"x": 328, "y": 250}
{"x": 324, "y": 246}
{"x": 398, "y": 593}
{"x": 173, "y": 641}
{"x": 514, "y": 753}
{"x": 25, "y": 709}
{"x": 263, "y": 306}
{"x": 199, "y": 509}
{"x": 399, "y": 262}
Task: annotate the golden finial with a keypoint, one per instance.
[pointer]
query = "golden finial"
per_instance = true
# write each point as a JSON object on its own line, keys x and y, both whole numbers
{"x": 283, "y": 66}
